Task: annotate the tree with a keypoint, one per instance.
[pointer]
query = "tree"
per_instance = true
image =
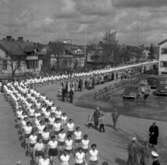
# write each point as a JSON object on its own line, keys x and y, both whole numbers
{"x": 14, "y": 65}
{"x": 57, "y": 48}
{"x": 152, "y": 52}
{"x": 110, "y": 48}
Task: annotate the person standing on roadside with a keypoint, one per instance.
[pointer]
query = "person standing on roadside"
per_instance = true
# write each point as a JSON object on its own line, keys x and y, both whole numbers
{"x": 96, "y": 116}
{"x": 153, "y": 133}
{"x": 115, "y": 116}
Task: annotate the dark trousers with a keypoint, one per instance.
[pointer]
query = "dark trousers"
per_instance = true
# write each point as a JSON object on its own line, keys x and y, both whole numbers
{"x": 101, "y": 128}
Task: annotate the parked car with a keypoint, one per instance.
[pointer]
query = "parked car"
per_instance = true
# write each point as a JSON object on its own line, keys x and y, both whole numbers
{"x": 162, "y": 86}
{"x": 130, "y": 92}
{"x": 152, "y": 81}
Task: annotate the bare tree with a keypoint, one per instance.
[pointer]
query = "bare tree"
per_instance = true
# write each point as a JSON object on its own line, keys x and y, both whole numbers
{"x": 14, "y": 66}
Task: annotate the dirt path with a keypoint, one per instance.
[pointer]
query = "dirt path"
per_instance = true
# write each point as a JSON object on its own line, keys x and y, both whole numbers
{"x": 10, "y": 149}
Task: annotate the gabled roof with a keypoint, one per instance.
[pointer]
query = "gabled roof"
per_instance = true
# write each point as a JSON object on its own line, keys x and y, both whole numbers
{"x": 162, "y": 42}
{"x": 10, "y": 47}
{"x": 16, "y": 48}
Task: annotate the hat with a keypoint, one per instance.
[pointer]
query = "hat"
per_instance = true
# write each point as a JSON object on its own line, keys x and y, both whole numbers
{"x": 134, "y": 139}
{"x": 18, "y": 162}
{"x": 154, "y": 154}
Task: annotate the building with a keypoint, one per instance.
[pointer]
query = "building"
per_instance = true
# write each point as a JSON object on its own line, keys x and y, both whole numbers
{"x": 19, "y": 57}
{"x": 163, "y": 57}
{"x": 67, "y": 56}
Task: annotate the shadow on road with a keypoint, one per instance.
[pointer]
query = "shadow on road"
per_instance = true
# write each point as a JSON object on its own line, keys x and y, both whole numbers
{"x": 120, "y": 161}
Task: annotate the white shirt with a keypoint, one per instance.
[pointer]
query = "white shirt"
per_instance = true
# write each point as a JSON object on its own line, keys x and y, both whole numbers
{"x": 57, "y": 126}
{"x": 44, "y": 161}
{"x": 58, "y": 114}
{"x": 61, "y": 137}
{"x": 45, "y": 135}
{"x": 93, "y": 155}
{"x": 41, "y": 128}
{"x": 78, "y": 135}
{"x": 51, "y": 120}
{"x": 85, "y": 143}
{"x": 33, "y": 139}
{"x": 70, "y": 126}
{"x": 79, "y": 157}
{"x": 64, "y": 159}
{"x": 39, "y": 147}
{"x": 68, "y": 144}
{"x": 52, "y": 144}
{"x": 64, "y": 119}
{"x": 27, "y": 129}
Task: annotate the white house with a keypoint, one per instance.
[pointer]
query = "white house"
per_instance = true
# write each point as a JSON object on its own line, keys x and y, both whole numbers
{"x": 163, "y": 57}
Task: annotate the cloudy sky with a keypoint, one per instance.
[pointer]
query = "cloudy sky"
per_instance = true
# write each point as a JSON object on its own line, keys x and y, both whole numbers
{"x": 136, "y": 21}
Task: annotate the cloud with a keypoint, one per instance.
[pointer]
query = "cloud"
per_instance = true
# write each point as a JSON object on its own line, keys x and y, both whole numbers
{"x": 53, "y": 19}
{"x": 94, "y": 7}
{"x": 139, "y": 3}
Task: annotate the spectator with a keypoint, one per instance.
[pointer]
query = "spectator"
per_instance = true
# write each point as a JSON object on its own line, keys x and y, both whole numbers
{"x": 101, "y": 123}
{"x": 153, "y": 133}
{"x": 115, "y": 116}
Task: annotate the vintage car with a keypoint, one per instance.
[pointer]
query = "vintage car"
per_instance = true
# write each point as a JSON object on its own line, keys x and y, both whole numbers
{"x": 152, "y": 81}
{"x": 162, "y": 86}
{"x": 130, "y": 92}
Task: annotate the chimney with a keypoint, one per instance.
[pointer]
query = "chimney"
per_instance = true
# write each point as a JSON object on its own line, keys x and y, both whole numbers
{"x": 8, "y": 38}
{"x": 20, "y": 39}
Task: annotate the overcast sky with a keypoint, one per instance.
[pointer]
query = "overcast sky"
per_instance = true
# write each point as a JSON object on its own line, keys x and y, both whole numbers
{"x": 136, "y": 21}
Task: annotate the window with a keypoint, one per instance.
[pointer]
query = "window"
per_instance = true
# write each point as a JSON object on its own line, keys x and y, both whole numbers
{"x": 163, "y": 64}
{"x": 163, "y": 50}
{"x": 4, "y": 65}
{"x": 32, "y": 64}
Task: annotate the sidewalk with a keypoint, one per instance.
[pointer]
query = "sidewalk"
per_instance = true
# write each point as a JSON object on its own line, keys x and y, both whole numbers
{"x": 10, "y": 149}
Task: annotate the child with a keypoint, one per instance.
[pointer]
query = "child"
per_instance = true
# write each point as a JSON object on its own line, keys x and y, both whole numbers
{"x": 101, "y": 123}
{"x": 90, "y": 120}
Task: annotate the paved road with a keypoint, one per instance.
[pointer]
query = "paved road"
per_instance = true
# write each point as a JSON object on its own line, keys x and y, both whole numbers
{"x": 10, "y": 149}
{"x": 112, "y": 144}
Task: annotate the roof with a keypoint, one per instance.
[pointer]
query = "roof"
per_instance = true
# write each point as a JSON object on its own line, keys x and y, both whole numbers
{"x": 162, "y": 42}
{"x": 16, "y": 48}
{"x": 11, "y": 47}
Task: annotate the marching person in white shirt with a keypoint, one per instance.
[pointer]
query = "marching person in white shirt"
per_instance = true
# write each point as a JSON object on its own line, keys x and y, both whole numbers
{"x": 39, "y": 149}
{"x": 93, "y": 155}
{"x": 61, "y": 138}
{"x": 58, "y": 113}
{"x": 85, "y": 143}
{"x": 64, "y": 118}
{"x": 52, "y": 148}
{"x": 64, "y": 158}
{"x": 77, "y": 136}
{"x": 70, "y": 127}
{"x": 57, "y": 126}
{"x": 45, "y": 135}
{"x": 79, "y": 157}
{"x": 44, "y": 160}
{"x": 32, "y": 141}
{"x": 69, "y": 144}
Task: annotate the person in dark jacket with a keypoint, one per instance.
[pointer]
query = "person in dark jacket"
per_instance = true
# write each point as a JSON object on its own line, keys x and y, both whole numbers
{"x": 71, "y": 95}
{"x": 96, "y": 116}
{"x": 80, "y": 84}
{"x": 153, "y": 133}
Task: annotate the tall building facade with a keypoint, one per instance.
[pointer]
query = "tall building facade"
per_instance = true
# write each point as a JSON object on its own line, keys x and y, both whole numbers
{"x": 163, "y": 57}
